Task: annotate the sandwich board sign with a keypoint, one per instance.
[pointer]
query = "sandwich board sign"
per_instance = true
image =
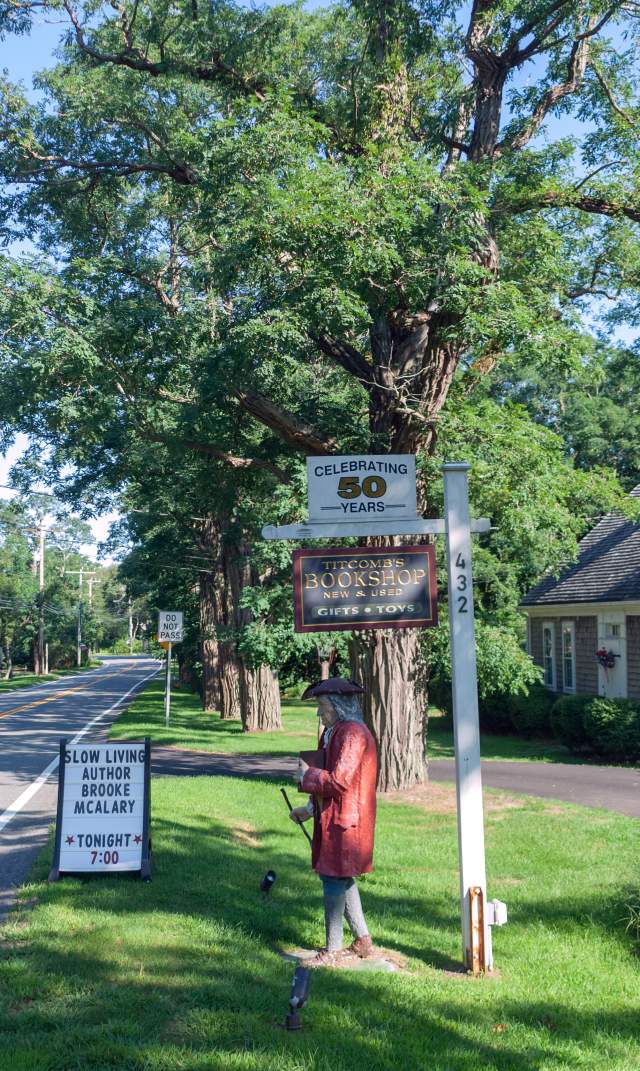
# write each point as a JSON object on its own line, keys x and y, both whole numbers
{"x": 348, "y": 488}
{"x": 170, "y": 626}
{"x": 103, "y": 808}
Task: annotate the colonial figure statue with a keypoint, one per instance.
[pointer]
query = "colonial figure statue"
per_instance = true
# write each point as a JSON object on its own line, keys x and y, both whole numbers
{"x": 342, "y": 790}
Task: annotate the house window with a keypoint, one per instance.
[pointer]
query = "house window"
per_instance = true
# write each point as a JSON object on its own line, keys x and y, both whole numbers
{"x": 549, "y": 654}
{"x": 612, "y": 630}
{"x": 568, "y": 656}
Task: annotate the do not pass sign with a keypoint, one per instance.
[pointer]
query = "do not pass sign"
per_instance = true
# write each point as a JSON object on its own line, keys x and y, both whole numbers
{"x": 170, "y": 626}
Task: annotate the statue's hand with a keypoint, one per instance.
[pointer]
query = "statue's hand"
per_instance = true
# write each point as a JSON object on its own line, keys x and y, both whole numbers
{"x": 301, "y": 771}
{"x": 299, "y": 815}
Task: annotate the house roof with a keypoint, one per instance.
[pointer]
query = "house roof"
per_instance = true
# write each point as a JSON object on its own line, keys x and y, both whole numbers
{"x": 607, "y": 568}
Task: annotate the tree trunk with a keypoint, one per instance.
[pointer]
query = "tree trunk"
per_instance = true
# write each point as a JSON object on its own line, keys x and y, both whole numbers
{"x": 259, "y": 695}
{"x": 227, "y": 593}
{"x": 326, "y": 658}
{"x": 209, "y": 655}
{"x": 414, "y": 368}
{"x": 229, "y": 681}
{"x": 8, "y": 673}
{"x": 186, "y": 674}
{"x": 388, "y": 665}
{"x": 260, "y": 699}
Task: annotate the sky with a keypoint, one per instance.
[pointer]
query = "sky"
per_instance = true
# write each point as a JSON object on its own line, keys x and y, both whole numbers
{"x": 22, "y": 57}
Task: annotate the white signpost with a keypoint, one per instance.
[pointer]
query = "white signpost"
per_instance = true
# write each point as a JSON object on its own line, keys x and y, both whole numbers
{"x": 334, "y": 481}
{"x": 103, "y": 808}
{"x": 169, "y": 632}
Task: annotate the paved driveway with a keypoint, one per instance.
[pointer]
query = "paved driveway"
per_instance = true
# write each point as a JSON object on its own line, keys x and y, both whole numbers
{"x": 614, "y": 788}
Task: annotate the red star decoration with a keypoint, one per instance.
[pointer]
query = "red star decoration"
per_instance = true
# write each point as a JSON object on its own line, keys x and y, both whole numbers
{"x": 137, "y": 838}
{"x": 70, "y": 839}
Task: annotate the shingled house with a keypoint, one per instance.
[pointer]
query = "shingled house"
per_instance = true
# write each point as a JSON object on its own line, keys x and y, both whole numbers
{"x": 583, "y": 627}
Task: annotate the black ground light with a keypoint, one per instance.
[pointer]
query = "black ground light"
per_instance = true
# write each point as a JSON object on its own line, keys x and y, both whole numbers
{"x": 298, "y": 998}
{"x": 267, "y": 883}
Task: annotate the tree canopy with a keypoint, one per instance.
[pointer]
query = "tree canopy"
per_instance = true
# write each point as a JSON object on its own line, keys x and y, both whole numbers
{"x": 267, "y": 232}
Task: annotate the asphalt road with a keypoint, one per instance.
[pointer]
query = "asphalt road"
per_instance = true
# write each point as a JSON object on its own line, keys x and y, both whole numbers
{"x": 32, "y": 721}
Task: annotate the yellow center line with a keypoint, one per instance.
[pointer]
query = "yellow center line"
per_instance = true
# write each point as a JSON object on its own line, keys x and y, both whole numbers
{"x": 55, "y": 695}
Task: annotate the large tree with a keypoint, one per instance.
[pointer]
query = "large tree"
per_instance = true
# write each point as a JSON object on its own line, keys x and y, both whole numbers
{"x": 359, "y": 205}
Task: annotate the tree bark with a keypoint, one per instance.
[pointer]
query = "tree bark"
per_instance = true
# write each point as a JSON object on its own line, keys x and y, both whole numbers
{"x": 186, "y": 674}
{"x": 258, "y": 692}
{"x": 209, "y": 654}
{"x": 227, "y": 593}
{"x": 259, "y": 699}
{"x": 229, "y": 681}
{"x": 388, "y": 665}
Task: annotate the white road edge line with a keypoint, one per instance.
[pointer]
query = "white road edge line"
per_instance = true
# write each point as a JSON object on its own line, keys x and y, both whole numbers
{"x": 36, "y": 785}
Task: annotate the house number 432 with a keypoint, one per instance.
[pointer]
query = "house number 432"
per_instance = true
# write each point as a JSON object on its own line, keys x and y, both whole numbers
{"x": 462, "y": 584}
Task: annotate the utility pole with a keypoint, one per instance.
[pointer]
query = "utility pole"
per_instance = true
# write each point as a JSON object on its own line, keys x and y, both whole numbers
{"x": 38, "y": 653}
{"x": 81, "y": 573}
{"x": 130, "y": 611}
{"x": 92, "y": 581}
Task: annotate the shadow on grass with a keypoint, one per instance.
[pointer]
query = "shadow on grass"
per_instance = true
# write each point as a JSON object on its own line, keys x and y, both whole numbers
{"x": 182, "y": 973}
{"x": 192, "y": 728}
{"x": 212, "y": 989}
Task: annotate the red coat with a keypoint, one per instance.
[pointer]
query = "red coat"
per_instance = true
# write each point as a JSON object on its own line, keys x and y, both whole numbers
{"x": 345, "y": 813}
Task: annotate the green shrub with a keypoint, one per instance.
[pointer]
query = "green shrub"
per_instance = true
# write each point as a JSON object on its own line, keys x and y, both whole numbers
{"x": 440, "y": 695}
{"x": 504, "y": 671}
{"x": 612, "y": 728}
{"x": 567, "y": 720}
{"x": 531, "y": 714}
{"x": 495, "y": 713}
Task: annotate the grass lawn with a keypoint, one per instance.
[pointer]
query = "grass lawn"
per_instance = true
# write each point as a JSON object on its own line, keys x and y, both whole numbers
{"x": 191, "y": 728}
{"x": 25, "y": 680}
{"x": 183, "y": 974}
{"x": 515, "y": 748}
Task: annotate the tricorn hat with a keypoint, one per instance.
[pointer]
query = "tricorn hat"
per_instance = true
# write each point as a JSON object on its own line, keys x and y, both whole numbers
{"x": 332, "y": 686}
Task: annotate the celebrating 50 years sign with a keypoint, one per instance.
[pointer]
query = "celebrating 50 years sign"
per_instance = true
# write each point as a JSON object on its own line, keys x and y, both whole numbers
{"x": 362, "y": 587}
{"x": 103, "y": 808}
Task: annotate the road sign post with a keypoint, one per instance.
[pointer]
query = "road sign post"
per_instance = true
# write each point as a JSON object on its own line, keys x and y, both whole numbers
{"x": 167, "y": 690}
{"x": 169, "y": 632}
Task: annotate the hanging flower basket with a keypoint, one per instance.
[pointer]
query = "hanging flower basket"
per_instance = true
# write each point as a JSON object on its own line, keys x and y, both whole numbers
{"x": 607, "y": 659}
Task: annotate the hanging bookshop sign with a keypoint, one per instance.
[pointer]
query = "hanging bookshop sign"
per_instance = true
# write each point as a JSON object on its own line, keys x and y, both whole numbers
{"x": 362, "y": 587}
{"x": 103, "y": 808}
